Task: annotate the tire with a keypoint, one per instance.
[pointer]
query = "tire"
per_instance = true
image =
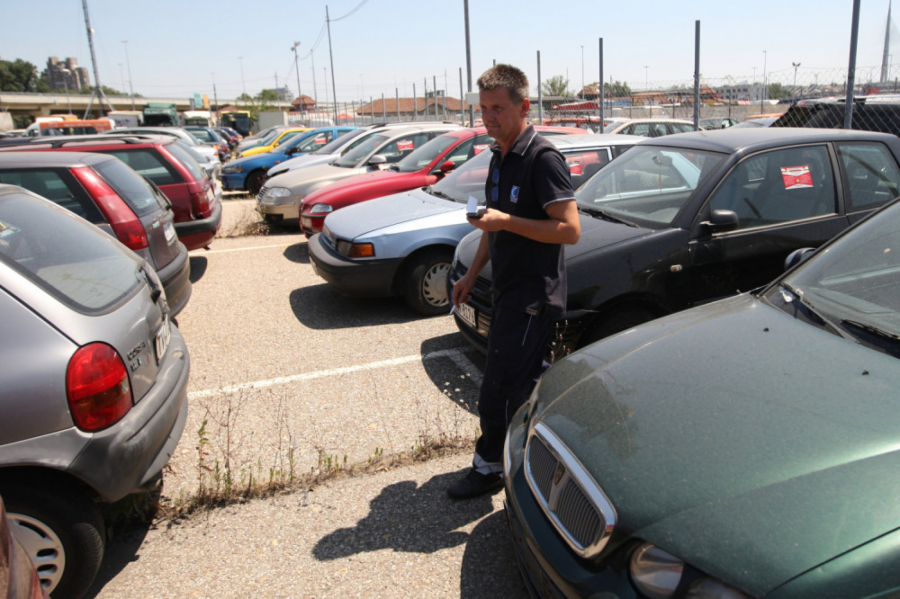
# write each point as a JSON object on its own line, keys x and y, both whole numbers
{"x": 62, "y": 532}
{"x": 616, "y": 322}
{"x": 255, "y": 182}
{"x": 425, "y": 287}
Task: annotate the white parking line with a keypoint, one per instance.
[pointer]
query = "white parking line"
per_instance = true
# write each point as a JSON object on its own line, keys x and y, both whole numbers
{"x": 455, "y": 354}
{"x": 258, "y": 247}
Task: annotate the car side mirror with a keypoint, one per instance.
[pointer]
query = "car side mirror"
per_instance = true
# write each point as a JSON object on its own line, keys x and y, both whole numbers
{"x": 721, "y": 221}
{"x": 445, "y": 168}
{"x": 797, "y": 256}
{"x": 377, "y": 160}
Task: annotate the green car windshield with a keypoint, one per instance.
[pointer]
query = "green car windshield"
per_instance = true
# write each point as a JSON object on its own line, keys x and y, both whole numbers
{"x": 647, "y": 185}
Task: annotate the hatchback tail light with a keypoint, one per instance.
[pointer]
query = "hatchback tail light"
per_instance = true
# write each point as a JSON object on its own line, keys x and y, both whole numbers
{"x": 97, "y": 387}
{"x": 200, "y": 200}
{"x": 124, "y": 222}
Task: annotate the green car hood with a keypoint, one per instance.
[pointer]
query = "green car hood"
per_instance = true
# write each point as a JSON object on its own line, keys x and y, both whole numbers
{"x": 748, "y": 443}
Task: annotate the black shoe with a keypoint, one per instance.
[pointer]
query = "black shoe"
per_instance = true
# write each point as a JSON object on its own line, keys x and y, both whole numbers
{"x": 474, "y": 484}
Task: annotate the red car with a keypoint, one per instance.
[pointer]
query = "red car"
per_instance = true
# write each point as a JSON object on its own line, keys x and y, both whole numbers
{"x": 165, "y": 161}
{"x": 424, "y": 166}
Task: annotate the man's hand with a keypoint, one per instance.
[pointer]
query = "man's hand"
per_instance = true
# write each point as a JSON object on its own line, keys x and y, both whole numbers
{"x": 462, "y": 290}
{"x": 491, "y": 220}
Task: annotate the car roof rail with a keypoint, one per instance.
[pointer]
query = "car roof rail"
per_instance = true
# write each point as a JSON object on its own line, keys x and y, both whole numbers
{"x": 58, "y": 141}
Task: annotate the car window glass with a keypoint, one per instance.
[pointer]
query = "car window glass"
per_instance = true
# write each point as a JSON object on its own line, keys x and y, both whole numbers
{"x": 463, "y": 151}
{"x": 647, "y": 185}
{"x": 148, "y": 163}
{"x": 467, "y": 180}
{"x": 642, "y": 129}
{"x": 778, "y": 186}
{"x": 81, "y": 266}
{"x": 583, "y": 164}
{"x": 658, "y": 130}
{"x": 402, "y": 147}
{"x": 353, "y": 137}
{"x": 872, "y": 174}
{"x": 682, "y": 128}
{"x": 136, "y": 192}
{"x": 185, "y": 156}
{"x": 203, "y": 135}
{"x": 58, "y": 186}
{"x": 423, "y": 155}
{"x": 352, "y": 158}
{"x": 314, "y": 142}
{"x": 286, "y": 137}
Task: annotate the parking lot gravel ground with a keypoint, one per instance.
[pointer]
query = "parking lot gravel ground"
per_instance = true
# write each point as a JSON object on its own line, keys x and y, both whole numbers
{"x": 286, "y": 375}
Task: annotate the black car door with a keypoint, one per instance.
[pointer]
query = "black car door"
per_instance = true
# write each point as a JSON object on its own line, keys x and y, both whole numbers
{"x": 784, "y": 199}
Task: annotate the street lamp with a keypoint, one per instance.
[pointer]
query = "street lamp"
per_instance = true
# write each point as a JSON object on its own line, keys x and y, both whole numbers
{"x": 130, "y": 82}
{"x": 765, "y": 90}
{"x": 297, "y": 68}
{"x": 795, "y": 65}
{"x": 646, "y": 80}
{"x": 582, "y": 72}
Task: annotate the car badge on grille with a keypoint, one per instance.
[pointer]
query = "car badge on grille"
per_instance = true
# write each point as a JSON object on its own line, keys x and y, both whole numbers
{"x": 559, "y": 474}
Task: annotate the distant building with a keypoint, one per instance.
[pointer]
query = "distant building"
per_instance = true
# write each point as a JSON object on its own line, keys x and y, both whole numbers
{"x": 413, "y": 107}
{"x": 742, "y": 91}
{"x": 303, "y": 104}
{"x": 62, "y": 75}
{"x": 284, "y": 93}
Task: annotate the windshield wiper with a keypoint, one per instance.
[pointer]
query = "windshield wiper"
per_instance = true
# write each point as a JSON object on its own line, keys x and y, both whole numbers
{"x": 796, "y": 293}
{"x": 430, "y": 189}
{"x": 606, "y": 216}
{"x": 872, "y": 330}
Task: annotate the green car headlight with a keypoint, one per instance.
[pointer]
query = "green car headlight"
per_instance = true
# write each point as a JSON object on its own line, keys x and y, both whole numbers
{"x": 654, "y": 572}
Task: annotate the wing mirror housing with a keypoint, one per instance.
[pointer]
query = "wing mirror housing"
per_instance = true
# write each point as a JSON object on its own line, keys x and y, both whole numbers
{"x": 721, "y": 221}
{"x": 445, "y": 168}
{"x": 797, "y": 256}
{"x": 377, "y": 160}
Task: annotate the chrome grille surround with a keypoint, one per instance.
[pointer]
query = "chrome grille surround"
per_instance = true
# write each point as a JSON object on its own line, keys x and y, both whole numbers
{"x": 575, "y": 504}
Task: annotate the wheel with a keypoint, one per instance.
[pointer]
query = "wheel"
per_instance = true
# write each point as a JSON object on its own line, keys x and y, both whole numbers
{"x": 255, "y": 182}
{"x": 616, "y": 322}
{"x": 426, "y": 282}
{"x": 61, "y": 531}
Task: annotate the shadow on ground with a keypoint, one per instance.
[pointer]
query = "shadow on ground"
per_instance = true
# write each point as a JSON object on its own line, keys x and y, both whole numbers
{"x": 489, "y": 566}
{"x": 321, "y": 307}
{"x": 456, "y": 374}
{"x": 120, "y": 552}
{"x": 198, "y": 267}
{"x": 297, "y": 253}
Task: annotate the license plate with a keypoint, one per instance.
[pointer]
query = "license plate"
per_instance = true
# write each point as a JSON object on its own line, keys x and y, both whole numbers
{"x": 306, "y": 222}
{"x": 169, "y": 230}
{"x": 211, "y": 195}
{"x": 467, "y": 313}
{"x": 162, "y": 339}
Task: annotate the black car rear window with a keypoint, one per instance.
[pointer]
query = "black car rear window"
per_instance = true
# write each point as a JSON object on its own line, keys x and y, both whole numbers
{"x": 183, "y": 155}
{"x": 57, "y": 185}
{"x": 78, "y": 264}
{"x": 130, "y": 186}
{"x": 149, "y": 163}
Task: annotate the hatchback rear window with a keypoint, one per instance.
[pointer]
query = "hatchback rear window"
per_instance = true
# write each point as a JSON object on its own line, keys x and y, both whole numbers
{"x": 148, "y": 163}
{"x": 78, "y": 264}
{"x": 183, "y": 155}
{"x": 136, "y": 192}
{"x": 57, "y": 185}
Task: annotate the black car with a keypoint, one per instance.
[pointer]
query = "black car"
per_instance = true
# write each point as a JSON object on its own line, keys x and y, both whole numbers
{"x": 686, "y": 219}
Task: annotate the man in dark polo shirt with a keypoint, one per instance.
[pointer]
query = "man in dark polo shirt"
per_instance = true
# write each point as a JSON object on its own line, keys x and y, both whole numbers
{"x": 530, "y": 213}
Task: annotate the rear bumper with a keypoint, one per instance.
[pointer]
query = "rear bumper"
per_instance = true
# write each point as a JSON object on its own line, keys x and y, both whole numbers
{"x": 176, "y": 280}
{"x": 372, "y": 278}
{"x": 195, "y": 234}
{"x": 124, "y": 457}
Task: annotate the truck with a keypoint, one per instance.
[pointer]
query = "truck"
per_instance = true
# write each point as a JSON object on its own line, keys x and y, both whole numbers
{"x": 239, "y": 120}
{"x": 201, "y": 118}
{"x": 126, "y": 118}
{"x": 160, "y": 114}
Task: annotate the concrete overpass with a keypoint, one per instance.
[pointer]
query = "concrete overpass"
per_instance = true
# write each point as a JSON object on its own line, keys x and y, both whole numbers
{"x": 48, "y": 104}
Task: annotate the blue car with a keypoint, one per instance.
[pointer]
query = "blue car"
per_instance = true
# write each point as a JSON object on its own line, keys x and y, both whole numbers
{"x": 249, "y": 173}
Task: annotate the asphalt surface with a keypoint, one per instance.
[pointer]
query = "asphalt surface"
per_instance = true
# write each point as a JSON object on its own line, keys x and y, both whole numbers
{"x": 286, "y": 375}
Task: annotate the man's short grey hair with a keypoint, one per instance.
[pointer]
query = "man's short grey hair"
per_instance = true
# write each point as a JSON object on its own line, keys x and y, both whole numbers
{"x": 508, "y": 76}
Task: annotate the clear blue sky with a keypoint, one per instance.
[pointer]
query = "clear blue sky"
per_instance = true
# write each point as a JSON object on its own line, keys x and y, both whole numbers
{"x": 175, "y": 46}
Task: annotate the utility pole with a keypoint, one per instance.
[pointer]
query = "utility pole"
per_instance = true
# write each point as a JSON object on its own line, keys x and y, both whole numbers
{"x": 98, "y": 90}
{"x": 297, "y": 68}
{"x": 331, "y": 55}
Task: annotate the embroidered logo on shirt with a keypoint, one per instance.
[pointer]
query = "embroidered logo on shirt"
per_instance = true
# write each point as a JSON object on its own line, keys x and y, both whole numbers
{"x": 514, "y": 194}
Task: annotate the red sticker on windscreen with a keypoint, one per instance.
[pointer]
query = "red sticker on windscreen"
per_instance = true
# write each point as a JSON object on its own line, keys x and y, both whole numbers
{"x": 796, "y": 177}
{"x": 575, "y": 168}
{"x": 320, "y": 140}
{"x": 405, "y": 145}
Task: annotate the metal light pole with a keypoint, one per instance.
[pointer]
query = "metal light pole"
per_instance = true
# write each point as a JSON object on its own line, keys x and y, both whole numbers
{"x": 297, "y": 68}
{"x": 582, "y": 72}
{"x": 468, "y": 62}
{"x": 795, "y": 65}
{"x": 215, "y": 98}
{"x": 646, "y": 79}
{"x": 765, "y": 89}
{"x": 130, "y": 81}
{"x": 312, "y": 58}
{"x": 331, "y": 57}
{"x": 243, "y": 85}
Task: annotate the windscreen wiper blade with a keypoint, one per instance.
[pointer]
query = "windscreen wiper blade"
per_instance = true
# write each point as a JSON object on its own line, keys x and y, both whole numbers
{"x": 798, "y": 295}
{"x": 606, "y": 216}
{"x": 873, "y": 330}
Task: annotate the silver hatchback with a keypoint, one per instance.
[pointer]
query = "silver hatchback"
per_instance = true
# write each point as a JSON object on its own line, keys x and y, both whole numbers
{"x": 93, "y": 383}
